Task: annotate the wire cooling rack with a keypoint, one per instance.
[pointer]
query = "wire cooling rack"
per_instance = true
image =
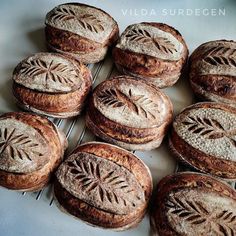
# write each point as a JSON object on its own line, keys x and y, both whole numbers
{"x": 77, "y": 133}
{"x": 74, "y": 128}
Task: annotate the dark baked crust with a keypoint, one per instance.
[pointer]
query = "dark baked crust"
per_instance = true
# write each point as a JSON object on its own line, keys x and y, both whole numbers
{"x": 57, "y": 144}
{"x": 162, "y": 73}
{"x": 211, "y": 87}
{"x": 30, "y": 181}
{"x": 199, "y": 160}
{"x": 96, "y": 216}
{"x": 127, "y": 137}
{"x": 58, "y": 105}
{"x": 175, "y": 182}
{"x": 69, "y": 42}
{"x": 55, "y": 105}
{"x": 120, "y": 132}
{"x": 83, "y": 49}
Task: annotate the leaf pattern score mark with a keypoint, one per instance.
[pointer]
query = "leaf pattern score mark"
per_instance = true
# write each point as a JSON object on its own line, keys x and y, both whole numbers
{"x": 226, "y": 219}
{"x": 189, "y": 210}
{"x": 220, "y": 55}
{"x": 196, "y": 214}
{"x": 143, "y": 36}
{"x": 17, "y": 146}
{"x": 139, "y": 104}
{"x": 91, "y": 23}
{"x": 87, "y": 21}
{"x": 106, "y": 185}
{"x": 209, "y": 128}
{"x": 53, "y": 71}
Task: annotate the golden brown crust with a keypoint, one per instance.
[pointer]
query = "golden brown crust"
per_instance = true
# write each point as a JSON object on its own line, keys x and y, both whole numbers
{"x": 162, "y": 73}
{"x": 113, "y": 130}
{"x": 91, "y": 215}
{"x": 68, "y": 41}
{"x": 56, "y": 145}
{"x": 82, "y": 48}
{"x": 212, "y": 73}
{"x": 147, "y": 67}
{"x": 57, "y": 104}
{"x": 222, "y": 86}
{"x": 197, "y": 184}
{"x": 220, "y": 166}
{"x": 54, "y": 105}
{"x": 97, "y": 216}
{"x": 30, "y": 181}
{"x": 154, "y": 141}
{"x": 121, "y": 132}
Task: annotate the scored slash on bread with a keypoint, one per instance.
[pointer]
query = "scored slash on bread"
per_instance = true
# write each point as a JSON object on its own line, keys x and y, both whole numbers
{"x": 104, "y": 185}
{"x": 213, "y": 71}
{"x": 193, "y": 204}
{"x": 81, "y": 31}
{"x": 31, "y": 148}
{"x": 152, "y": 51}
{"x": 129, "y": 113}
{"x": 51, "y": 84}
{"x": 203, "y": 135}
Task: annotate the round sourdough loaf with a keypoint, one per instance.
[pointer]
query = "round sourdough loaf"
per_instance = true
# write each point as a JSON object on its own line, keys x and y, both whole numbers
{"x": 204, "y": 136}
{"x": 51, "y": 84}
{"x": 31, "y": 148}
{"x": 104, "y": 185}
{"x": 155, "y": 52}
{"x": 193, "y": 204}
{"x": 82, "y": 31}
{"x": 213, "y": 71}
{"x": 129, "y": 113}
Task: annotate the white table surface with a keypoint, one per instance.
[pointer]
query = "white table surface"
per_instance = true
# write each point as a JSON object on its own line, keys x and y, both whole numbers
{"x": 21, "y": 34}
